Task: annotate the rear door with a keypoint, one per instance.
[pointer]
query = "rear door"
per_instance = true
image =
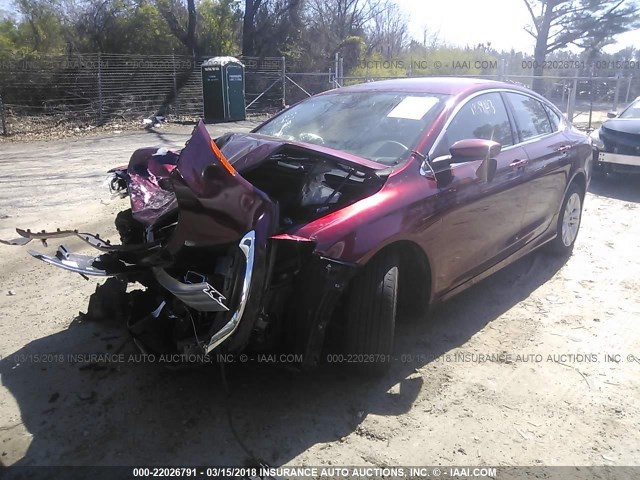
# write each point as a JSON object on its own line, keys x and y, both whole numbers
{"x": 549, "y": 150}
{"x": 484, "y": 223}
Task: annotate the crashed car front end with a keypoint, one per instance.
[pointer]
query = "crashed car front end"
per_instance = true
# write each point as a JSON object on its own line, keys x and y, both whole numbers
{"x": 207, "y": 236}
{"x": 617, "y": 151}
{"x": 617, "y": 142}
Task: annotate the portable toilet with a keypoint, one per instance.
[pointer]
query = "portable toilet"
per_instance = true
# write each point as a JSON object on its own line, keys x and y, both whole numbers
{"x": 223, "y": 89}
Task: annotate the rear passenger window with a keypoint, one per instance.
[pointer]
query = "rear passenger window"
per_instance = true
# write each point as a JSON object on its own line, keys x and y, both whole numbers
{"x": 531, "y": 117}
{"x": 554, "y": 118}
{"x": 485, "y": 116}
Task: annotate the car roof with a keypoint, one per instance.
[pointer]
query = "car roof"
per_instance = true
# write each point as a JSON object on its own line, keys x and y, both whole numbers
{"x": 437, "y": 85}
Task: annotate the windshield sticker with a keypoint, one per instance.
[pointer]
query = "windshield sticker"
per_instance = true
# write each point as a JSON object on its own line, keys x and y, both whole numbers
{"x": 413, "y": 108}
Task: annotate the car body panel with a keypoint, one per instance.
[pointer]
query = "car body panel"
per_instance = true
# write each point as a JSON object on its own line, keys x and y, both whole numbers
{"x": 216, "y": 204}
{"x": 547, "y": 172}
{"x": 474, "y": 212}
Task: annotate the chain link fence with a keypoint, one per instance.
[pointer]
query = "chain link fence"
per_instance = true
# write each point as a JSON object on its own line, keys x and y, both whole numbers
{"x": 41, "y": 92}
{"x": 585, "y": 100}
{"x": 37, "y": 93}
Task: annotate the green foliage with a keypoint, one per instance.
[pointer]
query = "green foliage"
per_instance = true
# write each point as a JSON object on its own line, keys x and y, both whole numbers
{"x": 9, "y": 37}
{"x": 350, "y": 50}
{"x": 39, "y": 29}
{"x": 115, "y": 26}
{"x": 139, "y": 28}
{"x": 123, "y": 26}
{"x": 375, "y": 66}
{"x": 219, "y": 26}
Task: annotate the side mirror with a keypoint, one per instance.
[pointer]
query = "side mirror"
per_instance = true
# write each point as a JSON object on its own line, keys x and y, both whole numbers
{"x": 471, "y": 150}
{"x": 612, "y": 114}
{"x": 474, "y": 149}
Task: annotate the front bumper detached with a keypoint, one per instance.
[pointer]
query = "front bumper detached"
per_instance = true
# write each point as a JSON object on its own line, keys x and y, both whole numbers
{"x": 201, "y": 296}
{"x": 205, "y": 298}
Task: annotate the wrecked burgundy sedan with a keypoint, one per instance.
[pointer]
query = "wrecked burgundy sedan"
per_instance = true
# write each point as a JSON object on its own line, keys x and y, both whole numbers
{"x": 335, "y": 217}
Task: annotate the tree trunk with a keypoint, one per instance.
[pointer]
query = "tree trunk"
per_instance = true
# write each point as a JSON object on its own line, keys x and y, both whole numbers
{"x": 249, "y": 27}
{"x": 188, "y": 37}
{"x": 191, "y": 42}
{"x": 540, "y": 52}
{"x": 539, "y": 56}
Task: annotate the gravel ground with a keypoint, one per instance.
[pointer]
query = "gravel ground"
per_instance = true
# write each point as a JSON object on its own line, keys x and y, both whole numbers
{"x": 552, "y": 398}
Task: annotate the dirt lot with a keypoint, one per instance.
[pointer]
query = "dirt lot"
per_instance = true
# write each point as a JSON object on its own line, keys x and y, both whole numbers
{"x": 552, "y": 399}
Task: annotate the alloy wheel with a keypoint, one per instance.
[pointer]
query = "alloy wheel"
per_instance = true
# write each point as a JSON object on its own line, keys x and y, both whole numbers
{"x": 571, "y": 219}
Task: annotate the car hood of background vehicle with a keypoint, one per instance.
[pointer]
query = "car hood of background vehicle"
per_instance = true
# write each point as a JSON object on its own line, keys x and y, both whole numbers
{"x": 622, "y": 125}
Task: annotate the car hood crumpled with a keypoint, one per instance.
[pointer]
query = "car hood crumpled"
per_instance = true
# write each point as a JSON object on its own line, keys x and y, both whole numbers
{"x": 160, "y": 181}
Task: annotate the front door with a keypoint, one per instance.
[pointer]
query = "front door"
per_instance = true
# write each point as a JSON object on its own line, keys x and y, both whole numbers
{"x": 235, "y": 92}
{"x": 483, "y": 222}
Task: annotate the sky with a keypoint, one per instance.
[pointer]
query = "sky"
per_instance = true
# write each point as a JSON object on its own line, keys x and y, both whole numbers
{"x": 5, "y": 6}
{"x": 469, "y": 22}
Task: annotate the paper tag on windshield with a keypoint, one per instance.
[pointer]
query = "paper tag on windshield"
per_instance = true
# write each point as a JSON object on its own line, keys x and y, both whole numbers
{"x": 413, "y": 108}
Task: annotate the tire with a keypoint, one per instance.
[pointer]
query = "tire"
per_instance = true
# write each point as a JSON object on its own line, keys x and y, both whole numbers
{"x": 567, "y": 232}
{"x": 371, "y": 316}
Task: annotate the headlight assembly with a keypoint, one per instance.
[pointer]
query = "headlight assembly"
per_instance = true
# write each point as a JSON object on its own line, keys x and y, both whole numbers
{"x": 595, "y": 139}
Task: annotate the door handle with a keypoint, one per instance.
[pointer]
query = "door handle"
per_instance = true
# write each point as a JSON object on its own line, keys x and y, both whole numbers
{"x": 519, "y": 163}
{"x": 564, "y": 149}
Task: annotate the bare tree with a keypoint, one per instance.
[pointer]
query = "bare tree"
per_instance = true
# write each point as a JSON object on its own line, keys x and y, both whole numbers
{"x": 388, "y": 33}
{"x": 333, "y": 21}
{"x": 588, "y": 24}
{"x": 430, "y": 39}
{"x": 98, "y": 17}
{"x": 171, "y": 11}
{"x": 268, "y": 25}
{"x": 251, "y": 8}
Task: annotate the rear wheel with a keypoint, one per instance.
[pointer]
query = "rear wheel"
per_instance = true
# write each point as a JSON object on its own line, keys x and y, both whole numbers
{"x": 371, "y": 316}
{"x": 568, "y": 222}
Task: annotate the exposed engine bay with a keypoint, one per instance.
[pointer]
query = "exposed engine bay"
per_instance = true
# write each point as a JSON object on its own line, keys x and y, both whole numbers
{"x": 306, "y": 187}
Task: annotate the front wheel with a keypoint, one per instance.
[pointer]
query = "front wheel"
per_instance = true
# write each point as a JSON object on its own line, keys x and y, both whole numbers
{"x": 371, "y": 316}
{"x": 568, "y": 222}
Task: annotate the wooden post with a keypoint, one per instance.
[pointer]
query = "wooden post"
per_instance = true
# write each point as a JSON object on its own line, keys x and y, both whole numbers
{"x": 99, "y": 89}
{"x": 4, "y": 118}
{"x": 571, "y": 101}
{"x": 284, "y": 82}
{"x": 175, "y": 86}
{"x": 616, "y": 96}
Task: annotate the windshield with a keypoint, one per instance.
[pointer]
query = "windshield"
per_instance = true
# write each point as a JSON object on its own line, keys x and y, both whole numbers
{"x": 379, "y": 126}
{"x": 632, "y": 111}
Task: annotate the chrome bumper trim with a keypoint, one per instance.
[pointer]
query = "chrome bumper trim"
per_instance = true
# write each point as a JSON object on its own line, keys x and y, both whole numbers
{"x": 247, "y": 245}
{"x": 200, "y": 296}
{"x": 72, "y": 262}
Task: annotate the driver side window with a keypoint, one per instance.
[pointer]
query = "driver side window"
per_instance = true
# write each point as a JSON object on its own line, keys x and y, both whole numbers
{"x": 485, "y": 117}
